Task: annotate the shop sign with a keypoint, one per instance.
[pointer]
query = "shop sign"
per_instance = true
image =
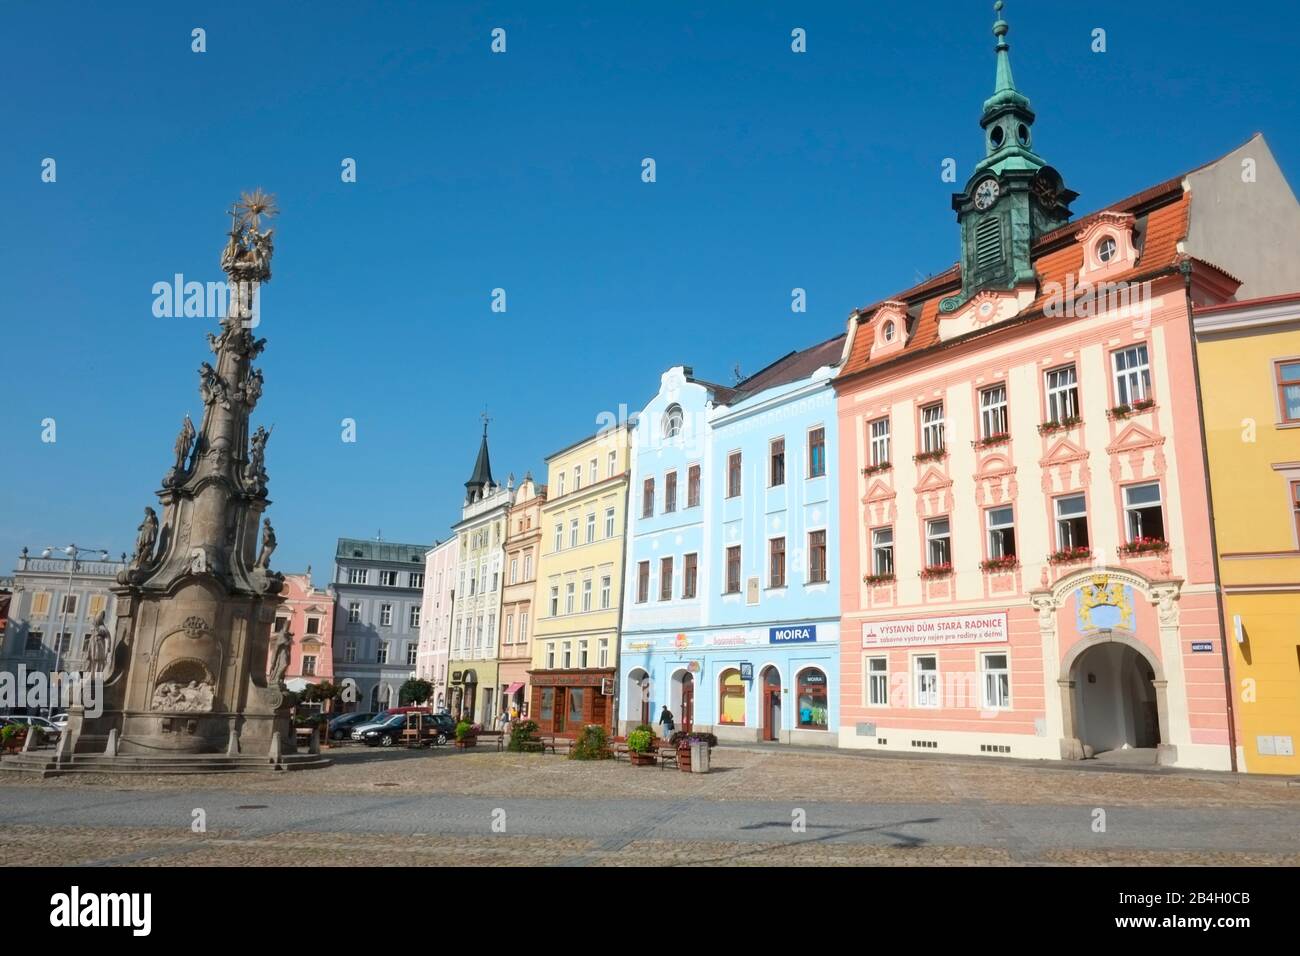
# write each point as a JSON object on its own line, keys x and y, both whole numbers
{"x": 746, "y": 670}
{"x": 793, "y": 634}
{"x": 988, "y": 628}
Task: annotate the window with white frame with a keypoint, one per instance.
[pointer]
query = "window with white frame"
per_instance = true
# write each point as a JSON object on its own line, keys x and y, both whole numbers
{"x": 996, "y": 681}
{"x": 577, "y": 477}
{"x": 938, "y": 543}
{"x": 566, "y": 650}
{"x": 1144, "y": 515}
{"x": 555, "y": 601}
{"x": 1001, "y": 526}
{"x": 611, "y": 464}
{"x": 592, "y": 475}
{"x": 569, "y": 591}
{"x": 932, "y": 429}
{"x": 609, "y": 522}
{"x": 354, "y": 612}
{"x": 582, "y": 653}
{"x": 591, "y": 527}
{"x": 414, "y": 616}
{"x": 586, "y": 594}
{"x": 602, "y": 652}
{"x": 528, "y": 565}
{"x": 605, "y": 590}
{"x": 1062, "y": 394}
{"x": 993, "y": 412}
{"x": 514, "y": 570}
{"x": 385, "y": 615}
{"x": 559, "y": 535}
{"x": 411, "y": 650}
{"x": 309, "y": 665}
{"x": 381, "y": 656}
{"x": 560, "y": 483}
{"x": 670, "y": 492}
{"x": 877, "y": 681}
{"x": 879, "y": 430}
{"x": 1071, "y": 522}
{"x": 550, "y": 655}
{"x": 882, "y": 551}
{"x": 523, "y": 627}
{"x": 416, "y": 579}
{"x": 510, "y": 629}
{"x": 358, "y": 576}
{"x": 573, "y": 532}
{"x": 388, "y": 579}
{"x": 350, "y": 652}
{"x": 1132, "y": 374}
{"x": 925, "y": 670}
{"x": 672, "y": 423}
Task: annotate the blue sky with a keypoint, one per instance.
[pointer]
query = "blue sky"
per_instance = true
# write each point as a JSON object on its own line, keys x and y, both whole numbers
{"x": 522, "y": 171}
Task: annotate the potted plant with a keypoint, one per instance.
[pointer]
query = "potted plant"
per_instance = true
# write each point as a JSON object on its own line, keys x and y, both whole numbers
{"x": 936, "y": 455}
{"x": 1007, "y": 562}
{"x": 466, "y": 734}
{"x": 988, "y": 441}
{"x": 13, "y": 736}
{"x": 640, "y": 750}
{"x": 1144, "y": 546}
{"x": 876, "y": 469}
{"x": 693, "y": 750}
{"x": 935, "y": 571}
{"x": 886, "y": 578}
{"x": 1070, "y": 555}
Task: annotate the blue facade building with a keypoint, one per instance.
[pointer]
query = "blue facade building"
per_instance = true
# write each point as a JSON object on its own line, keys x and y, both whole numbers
{"x": 731, "y": 614}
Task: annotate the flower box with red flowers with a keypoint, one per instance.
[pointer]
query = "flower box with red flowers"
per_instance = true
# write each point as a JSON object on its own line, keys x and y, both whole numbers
{"x": 1069, "y": 555}
{"x": 1005, "y": 563}
{"x": 877, "y": 469}
{"x": 989, "y": 441}
{"x": 1144, "y": 546}
{"x": 1069, "y": 421}
{"x": 935, "y": 571}
{"x": 937, "y": 455}
{"x": 878, "y": 578}
{"x": 1124, "y": 411}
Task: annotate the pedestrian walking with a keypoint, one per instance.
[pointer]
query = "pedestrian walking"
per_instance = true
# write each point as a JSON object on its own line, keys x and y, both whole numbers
{"x": 666, "y": 722}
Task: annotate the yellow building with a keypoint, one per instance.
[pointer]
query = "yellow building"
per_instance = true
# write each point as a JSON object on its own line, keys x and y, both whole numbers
{"x": 579, "y": 584}
{"x": 1249, "y": 358}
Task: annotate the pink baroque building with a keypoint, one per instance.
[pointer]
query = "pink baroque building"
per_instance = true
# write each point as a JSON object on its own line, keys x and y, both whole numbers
{"x": 1027, "y": 558}
{"x": 308, "y": 613}
{"x": 437, "y": 603}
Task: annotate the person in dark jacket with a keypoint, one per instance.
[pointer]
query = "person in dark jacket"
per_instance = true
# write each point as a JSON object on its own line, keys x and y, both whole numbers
{"x": 666, "y": 722}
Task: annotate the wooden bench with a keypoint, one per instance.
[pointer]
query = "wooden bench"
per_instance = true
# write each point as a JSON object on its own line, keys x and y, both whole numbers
{"x": 667, "y": 755}
{"x": 556, "y": 745}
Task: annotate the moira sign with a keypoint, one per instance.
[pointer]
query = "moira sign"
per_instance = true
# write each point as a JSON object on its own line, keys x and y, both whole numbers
{"x": 989, "y": 628}
{"x": 797, "y": 634}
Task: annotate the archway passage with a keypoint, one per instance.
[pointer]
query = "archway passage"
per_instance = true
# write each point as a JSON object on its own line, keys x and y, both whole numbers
{"x": 771, "y": 704}
{"x": 1116, "y": 703}
{"x": 638, "y": 697}
{"x": 683, "y": 696}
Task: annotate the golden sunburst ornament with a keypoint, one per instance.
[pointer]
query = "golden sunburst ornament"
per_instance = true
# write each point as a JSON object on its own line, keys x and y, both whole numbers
{"x": 252, "y": 206}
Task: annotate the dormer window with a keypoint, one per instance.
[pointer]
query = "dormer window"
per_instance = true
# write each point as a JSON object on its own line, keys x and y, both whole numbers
{"x": 1106, "y": 249}
{"x": 887, "y": 333}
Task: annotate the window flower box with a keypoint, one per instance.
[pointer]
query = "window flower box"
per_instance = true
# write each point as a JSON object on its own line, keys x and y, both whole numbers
{"x": 1124, "y": 411}
{"x": 936, "y": 455}
{"x": 1144, "y": 546}
{"x": 935, "y": 571}
{"x": 1070, "y": 555}
{"x": 1006, "y": 563}
{"x": 878, "y": 578}
{"x": 1070, "y": 421}
{"x": 876, "y": 469}
{"x": 989, "y": 441}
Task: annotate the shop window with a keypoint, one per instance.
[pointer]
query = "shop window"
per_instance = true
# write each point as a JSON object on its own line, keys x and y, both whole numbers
{"x": 877, "y": 681}
{"x": 576, "y": 695}
{"x": 548, "y": 704}
{"x": 731, "y": 697}
{"x": 813, "y": 704}
{"x": 997, "y": 681}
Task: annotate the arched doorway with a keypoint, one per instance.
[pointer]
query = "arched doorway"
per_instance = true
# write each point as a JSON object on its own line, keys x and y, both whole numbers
{"x": 731, "y": 698}
{"x": 638, "y": 697}
{"x": 374, "y": 699}
{"x": 683, "y": 696}
{"x": 385, "y": 696}
{"x": 770, "y": 702}
{"x": 1116, "y": 699}
{"x": 468, "y": 699}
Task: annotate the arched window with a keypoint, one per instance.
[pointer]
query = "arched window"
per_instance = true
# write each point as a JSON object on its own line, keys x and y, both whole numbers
{"x": 813, "y": 704}
{"x": 1106, "y": 249}
{"x": 673, "y": 421}
{"x": 887, "y": 333}
{"x": 731, "y": 698}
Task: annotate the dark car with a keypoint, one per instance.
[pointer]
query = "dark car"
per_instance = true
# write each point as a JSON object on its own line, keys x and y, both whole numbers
{"x": 343, "y": 724}
{"x": 389, "y": 731}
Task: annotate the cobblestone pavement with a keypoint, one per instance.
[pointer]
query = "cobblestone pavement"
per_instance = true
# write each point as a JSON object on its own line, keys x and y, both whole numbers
{"x": 432, "y": 808}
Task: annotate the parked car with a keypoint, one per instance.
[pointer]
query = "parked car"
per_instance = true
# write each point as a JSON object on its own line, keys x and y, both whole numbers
{"x": 344, "y": 724}
{"x": 444, "y": 727}
{"x": 31, "y": 721}
{"x": 60, "y": 721}
{"x": 390, "y": 731}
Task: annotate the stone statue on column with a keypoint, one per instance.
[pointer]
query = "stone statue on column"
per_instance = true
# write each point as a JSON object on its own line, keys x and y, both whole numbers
{"x": 268, "y": 545}
{"x": 146, "y": 537}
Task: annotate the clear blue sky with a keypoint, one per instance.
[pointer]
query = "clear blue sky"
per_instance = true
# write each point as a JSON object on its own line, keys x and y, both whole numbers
{"x": 522, "y": 171}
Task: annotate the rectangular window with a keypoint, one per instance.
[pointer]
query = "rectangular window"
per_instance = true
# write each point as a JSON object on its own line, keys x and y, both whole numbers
{"x": 670, "y": 491}
{"x": 690, "y": 574}
{"x": 605, "y": 591}
{"x": 611, "y": 464}
{"x": 733, "y": 475}
{"x": 602, "y": 652}
{"x": 776, "y": 462}
{"x": 927, "y": 680}
{"x": 1002, "y": 532}
{"x": 528, "y": 566}
{"x": 354, "y": 612}
{"x": 642, "y": 582}
{"x": 938, "y": 550}
{"x": 816, "y": 452}
{"x": 1062, "y": 394}
{"x": 577, "y": 477}
{"x": 882, "y": 551}
{"x": 40, "y": 603}
{"x": 693, "y": 486}
{"x": 523, "y": 627}
{"x": 877, "y": 682}
{"x": 313, "y": 625}
{"x": 932, "y": 429}
{"x": 510, "y": 629}
{"x": 411, "y": 650}
{"x": 385, "y": 615}
{"x": 514, "y": 570}
{"x": 555, "y": 601}
{"x": 586, "y": 594}
{"x": 381, "y": 656}
{"x": 817, "y": 557}
{"x": 733, "y": 569}
{"x": 879, "y": 430}
{"x": 388, "y": 579}
{"x": 309, "y": 664}
{"x": 566, "y": 655}
{"x": 592, "y": 474}
{"x": 665, "y": 579}
{"x": 569, "y": 590}
{"x": 350, "y": 652}
{"x": 591, "y": 527}
{"x": 1132, "y": 374}
{"x": 1144, "y": 516}
{"x": 559, "y": 535}
{"x": 550, "y": 666}
{"x": 582, "y": 654}
{"x": 416, "y": 579}
{"x": 1288, "y": 390}
{"x": 33, "y": 642}
{"x": 993, "y": 412}
{"x": 358, "y": 576}
{"x": 776, "y": 563}
{"x": 609, "y": 522}
{"x": 560, "y": 478}
{"x": 648, "y": 498}
{"x": 69, "y": 604}
{"x": 996, "y": 682}
{"x": 414, "y": 617}
{"x": 1071, "y": 522}
{"x": 573, "y": 532}
{"x": 576, "y": 695}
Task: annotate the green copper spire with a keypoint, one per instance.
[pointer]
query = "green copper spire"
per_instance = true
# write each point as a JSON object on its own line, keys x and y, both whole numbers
{"x": 1004, "y": 87}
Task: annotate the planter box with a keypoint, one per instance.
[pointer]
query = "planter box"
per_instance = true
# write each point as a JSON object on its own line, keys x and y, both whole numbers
{"x": 700, "y": 756}
{"x": 642, "y": 760}
{"x": 467, "y": 742}
{"x": 684, "y": 759}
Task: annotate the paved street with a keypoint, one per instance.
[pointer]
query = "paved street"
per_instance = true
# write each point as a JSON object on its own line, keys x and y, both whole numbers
{"x": 442, "y": 807}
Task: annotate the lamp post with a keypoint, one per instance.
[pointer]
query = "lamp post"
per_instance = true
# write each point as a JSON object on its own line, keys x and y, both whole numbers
{"x": 74, "y": 554}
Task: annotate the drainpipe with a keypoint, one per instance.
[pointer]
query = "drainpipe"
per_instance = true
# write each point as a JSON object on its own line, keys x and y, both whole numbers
{"x": 1186, "y": 269}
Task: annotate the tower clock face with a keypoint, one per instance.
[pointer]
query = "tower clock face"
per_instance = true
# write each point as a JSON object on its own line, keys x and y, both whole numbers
{"x": 986, "y": 193}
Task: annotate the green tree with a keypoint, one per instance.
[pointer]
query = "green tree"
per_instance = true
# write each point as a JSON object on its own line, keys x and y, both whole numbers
{"x": 414, "y": 691}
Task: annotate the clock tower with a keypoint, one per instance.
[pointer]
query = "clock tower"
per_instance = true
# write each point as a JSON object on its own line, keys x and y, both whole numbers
{"x": 1011, "y": 198}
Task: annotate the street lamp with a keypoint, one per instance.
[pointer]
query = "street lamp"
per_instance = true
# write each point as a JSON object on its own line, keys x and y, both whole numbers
{"x": 74, "y": 554}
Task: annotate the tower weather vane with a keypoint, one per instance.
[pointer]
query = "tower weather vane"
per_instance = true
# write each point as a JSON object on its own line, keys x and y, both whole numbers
{"x": 251, "y": 207}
